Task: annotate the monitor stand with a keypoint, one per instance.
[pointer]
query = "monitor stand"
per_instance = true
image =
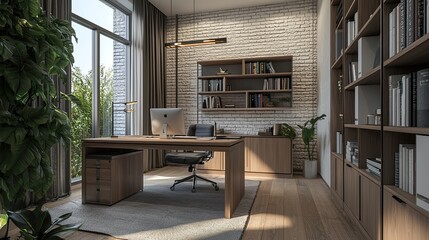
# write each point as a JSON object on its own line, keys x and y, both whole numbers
{"x": 163, "y": 131}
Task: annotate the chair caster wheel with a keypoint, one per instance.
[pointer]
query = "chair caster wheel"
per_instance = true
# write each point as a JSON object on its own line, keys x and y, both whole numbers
{"x": 193, "y": 190}
{"x": 216, "y": 187}
{"x": 172, "y": 188}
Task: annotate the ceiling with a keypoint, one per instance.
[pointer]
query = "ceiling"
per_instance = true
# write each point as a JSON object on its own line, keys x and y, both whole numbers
{"x": 180, "y": 7}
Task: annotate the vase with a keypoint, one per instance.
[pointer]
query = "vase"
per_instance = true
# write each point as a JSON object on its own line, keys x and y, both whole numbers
{"x": 310, "y": 169}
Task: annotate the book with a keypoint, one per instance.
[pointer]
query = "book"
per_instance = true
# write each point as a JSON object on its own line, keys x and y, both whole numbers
{"x": 422, "y": 95}
{"x": 410, "y": 21}
{"x": 338, "y": 42}
{"x": 402, "y": 25}
{"x": 367, "y": 48}
{"x": 427, "y": 16}
{"x": 392, "y": 32}
{"x": 420, "y": 19}
{"x": 422, "y": 166}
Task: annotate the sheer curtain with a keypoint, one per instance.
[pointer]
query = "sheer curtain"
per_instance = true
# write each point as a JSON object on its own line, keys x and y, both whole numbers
{"x": 60, "y": 154}
{"x": 148, "y": 70}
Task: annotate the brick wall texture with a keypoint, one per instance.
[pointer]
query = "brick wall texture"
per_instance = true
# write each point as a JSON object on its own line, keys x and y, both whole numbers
{"x": 285, "y": 29}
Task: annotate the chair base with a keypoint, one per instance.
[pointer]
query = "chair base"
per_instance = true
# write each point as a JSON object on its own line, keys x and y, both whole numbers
{"x": 194, "y": 178}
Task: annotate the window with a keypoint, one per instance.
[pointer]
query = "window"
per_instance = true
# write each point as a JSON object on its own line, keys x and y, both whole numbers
{"x": 100, "y": 74}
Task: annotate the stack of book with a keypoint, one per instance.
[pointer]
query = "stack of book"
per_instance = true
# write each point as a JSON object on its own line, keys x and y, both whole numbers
{"x": 373, "y": 165}
{"x": 259, "y": 67}
{"x": 408, "y": 21}
{"x": 404, "y": 167}
{"x": 409, "y": 99}
{"x": 352, "y": 152}
{"x": 212, "y": 85}
{"x": 277, "y": 83}
{"x": 352, "y": 29}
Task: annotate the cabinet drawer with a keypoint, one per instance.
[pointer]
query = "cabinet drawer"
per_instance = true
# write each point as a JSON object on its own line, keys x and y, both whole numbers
{"x": 99, "y": 192}
{"x": 94, "y": 174}
{"x": 98, "y": 163}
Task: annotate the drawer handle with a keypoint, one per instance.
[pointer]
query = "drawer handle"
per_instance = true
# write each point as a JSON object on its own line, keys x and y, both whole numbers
{"x": 348, "y": 165}
{"x": 98, "y": 189}
{"x": 98, "y": 179}
{"x": 398, "y": 200}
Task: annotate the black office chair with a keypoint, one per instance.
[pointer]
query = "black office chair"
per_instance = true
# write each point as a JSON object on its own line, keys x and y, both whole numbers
{"x": 193, "y": 158}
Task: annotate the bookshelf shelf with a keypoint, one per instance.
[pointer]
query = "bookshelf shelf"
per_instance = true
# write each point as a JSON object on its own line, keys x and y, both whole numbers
{"x": 415, "y": 54}
{"x": 243, "y": 109}
{"x": 263, "y": 83}
{"x": 352, "y": 10}
{"x": 338, "y": 63}
{"x": 370, "y": 78}
{"x": 372, "y": 26}
{"x": 375, "y": 179}
{"x": 409, "y": 130}
{"x": 246, "y": 76}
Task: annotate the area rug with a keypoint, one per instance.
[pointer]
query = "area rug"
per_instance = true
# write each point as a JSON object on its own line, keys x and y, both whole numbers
{"x": 158, "y": 213}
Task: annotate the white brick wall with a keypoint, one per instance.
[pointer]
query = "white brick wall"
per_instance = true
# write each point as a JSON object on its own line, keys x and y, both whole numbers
{"x": 271, "y": 30}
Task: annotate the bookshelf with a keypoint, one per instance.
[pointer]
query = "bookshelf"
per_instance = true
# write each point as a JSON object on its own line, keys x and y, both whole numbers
{"x": 245, "y": 84}
{"x": 380, "y": 115}
{"x": 356, "y": 93}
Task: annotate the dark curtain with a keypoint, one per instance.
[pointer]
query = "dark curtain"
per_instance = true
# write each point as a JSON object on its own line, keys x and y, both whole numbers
{"x": 148, "y": 33}
{"x": 60, "y": 154}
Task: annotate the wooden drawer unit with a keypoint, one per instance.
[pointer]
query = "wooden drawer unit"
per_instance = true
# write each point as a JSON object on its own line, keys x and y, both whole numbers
{"x": 110, "y": 178}
{"x": 270, "y": 154}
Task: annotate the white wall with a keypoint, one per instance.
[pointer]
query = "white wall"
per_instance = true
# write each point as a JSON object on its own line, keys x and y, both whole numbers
{"x": 323, "y": 76}
{"x": 270, "y": 30}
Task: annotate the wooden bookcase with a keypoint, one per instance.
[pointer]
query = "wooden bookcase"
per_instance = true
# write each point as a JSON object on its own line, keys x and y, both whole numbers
{"x": 251, "y": 83}
{"x": 359, "y": 86}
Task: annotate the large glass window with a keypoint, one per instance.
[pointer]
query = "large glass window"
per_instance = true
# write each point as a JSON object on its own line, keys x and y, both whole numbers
{"x": 100, "y": 75}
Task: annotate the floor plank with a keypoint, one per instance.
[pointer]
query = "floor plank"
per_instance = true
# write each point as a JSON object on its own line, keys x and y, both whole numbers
{"x": 284, "y": 208}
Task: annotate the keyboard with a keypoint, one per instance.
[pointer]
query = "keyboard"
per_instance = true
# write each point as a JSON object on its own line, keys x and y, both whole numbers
{"x": 184, "y": 137}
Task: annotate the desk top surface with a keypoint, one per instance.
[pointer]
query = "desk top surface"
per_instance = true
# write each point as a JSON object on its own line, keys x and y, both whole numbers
{"x": 153, "y": 140}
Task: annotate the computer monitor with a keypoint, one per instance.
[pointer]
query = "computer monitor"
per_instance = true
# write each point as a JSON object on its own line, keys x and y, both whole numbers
{"x": 167, "y": 121}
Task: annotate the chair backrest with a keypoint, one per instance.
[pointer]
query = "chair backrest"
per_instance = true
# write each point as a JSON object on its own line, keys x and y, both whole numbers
{"x": 201, "y": 130}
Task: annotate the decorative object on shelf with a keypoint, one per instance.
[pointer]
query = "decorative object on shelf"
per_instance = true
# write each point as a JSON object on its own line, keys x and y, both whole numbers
{"x": 308, "y": 134}
{"x": 222, "y": 71}
{"x": 128, "y": 108}
{"x": 37, "y": 224}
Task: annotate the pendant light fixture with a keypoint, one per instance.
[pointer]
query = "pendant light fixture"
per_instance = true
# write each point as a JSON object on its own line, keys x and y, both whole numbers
{"x": 190, "y": 43}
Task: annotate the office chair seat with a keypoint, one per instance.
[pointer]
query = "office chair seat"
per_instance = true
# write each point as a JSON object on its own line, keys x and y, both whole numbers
{"x": 193, "y": 158}
{"x": 185, "y": 157}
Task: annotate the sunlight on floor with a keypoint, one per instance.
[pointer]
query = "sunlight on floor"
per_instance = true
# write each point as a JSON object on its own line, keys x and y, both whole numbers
{"x": 276, "y": 221}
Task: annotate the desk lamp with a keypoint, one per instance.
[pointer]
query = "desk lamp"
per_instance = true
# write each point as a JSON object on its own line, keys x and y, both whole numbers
{"x": 128, "y": 108}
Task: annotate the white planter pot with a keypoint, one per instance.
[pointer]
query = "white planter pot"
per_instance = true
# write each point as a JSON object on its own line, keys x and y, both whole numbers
{"x": 310, "y": 169}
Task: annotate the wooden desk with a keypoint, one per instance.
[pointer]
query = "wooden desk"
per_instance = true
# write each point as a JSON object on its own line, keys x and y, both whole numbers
{"x": 233, "y": 149}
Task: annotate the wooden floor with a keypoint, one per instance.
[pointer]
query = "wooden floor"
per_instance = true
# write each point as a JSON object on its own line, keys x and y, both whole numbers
{"x": 284, "y": 208}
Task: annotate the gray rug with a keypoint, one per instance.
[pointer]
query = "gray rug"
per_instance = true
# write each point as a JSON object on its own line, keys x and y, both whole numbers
{"x": 158, "y": 213}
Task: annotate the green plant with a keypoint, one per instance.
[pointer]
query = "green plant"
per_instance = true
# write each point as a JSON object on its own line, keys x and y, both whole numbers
{"x": 35, "y": 50}
{"x": 287, "y": 131}
{"x": 37, "y": 224}
{"x": 308, "y": 134}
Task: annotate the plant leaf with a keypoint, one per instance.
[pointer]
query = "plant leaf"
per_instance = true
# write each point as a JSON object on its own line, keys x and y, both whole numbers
{"x": 3, "y": 220}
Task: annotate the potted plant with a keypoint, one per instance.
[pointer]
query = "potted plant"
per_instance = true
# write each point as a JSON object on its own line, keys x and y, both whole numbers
{"x": 37, "y": 224}
{"x": 35, "y": 50}
{"x": 308, "y": 131}
{"x": 288, "y": 131}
